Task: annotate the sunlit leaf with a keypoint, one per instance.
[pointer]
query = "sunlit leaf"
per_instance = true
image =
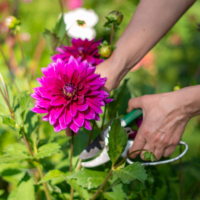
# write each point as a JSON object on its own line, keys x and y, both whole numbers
{"x": 115, "y": 195}
{"x": 60, "y": 28}
{"x": 131, "y": 172}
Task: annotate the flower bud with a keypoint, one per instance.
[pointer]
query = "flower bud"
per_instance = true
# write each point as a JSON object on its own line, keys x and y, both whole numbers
{"x": 177, "y": 87}
{"x": 105, "y": 51}
{"x": 116, "y": 16}
{"x": 12, "y": 22}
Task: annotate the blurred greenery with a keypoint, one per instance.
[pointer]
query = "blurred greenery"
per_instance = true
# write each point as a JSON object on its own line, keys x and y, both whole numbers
{"x": 174, "y": 60}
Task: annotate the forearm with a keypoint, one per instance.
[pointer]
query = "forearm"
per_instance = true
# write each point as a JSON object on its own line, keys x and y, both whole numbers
{"x": 151, "y": 20}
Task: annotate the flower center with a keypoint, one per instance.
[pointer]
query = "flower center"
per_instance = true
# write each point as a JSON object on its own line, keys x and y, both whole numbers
{"x": 69, "y": 90}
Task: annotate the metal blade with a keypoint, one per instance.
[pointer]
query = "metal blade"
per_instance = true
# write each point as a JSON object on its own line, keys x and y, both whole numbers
{"x": 101, "y": 159}
{"x": 93, "y": 149}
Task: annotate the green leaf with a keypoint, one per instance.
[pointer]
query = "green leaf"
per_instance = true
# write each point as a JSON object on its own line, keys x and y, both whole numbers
{"x": 52, "y": 40}
{"x": 10, "y": 95}
{"x": 25, "y": 190}
{"x": 30, "y": 122}
{"x": 89, "y": 178}
{"x": 117, "y": 140}
{"x": 2, "y": 192}
{"x": 82, "y": 192}
{"x": 12, "y": 175}
{"x": 131, "y": 172}
{"x": 115, "y": 195}
{"x": 11, "y": 159}
{"x": 47, "y": 150}
{"x": 24, "y": 102}
{"x": 60, "y": 28}
{"x": 16, "y": 149}
{"x": 4, "y": 109}
{"x": 52, "y": 174}
{"x": 7, "y": 120}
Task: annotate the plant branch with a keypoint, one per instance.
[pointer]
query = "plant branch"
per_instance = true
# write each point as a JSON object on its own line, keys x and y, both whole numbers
{"x": 112, "y": 186}
{"x": 70, "y": 166}
{"x": 90, "y": 136}
{"x": 100, "y": 188}
{"x": 9, "y": 68}
{"x": 104, "y": 116}
{"x": 111, "y": 35}
{"x": 195, "y": 192}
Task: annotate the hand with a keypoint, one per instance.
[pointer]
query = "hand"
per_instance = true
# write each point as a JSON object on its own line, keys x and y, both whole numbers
{"x": 164, "y": 119}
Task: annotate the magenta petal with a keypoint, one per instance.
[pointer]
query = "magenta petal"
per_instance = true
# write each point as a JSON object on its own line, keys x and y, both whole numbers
{"x": 39, "y": 110}
{"x": 52, "y": 119}
{"x": 87, "y": 125}
{"x": 68, "y": 116}
{"x": 57, "y": 100}
{"x": 84, "y": 90}
{"x": 73, "y": 109}
{"x": 108, "y": 100}
{"x": 89, "y": 114}
{"x": 82, "y": 107}
{"x": 74, "y": 127}
{"x": 59, "y": 111}
{"x": 66, "y": 79}
{"x": 95, "y": 107}
{"x": 79, "y": 119}
{"x": 97, "y": 118}
{"x": 62, "y": 121}
{"x": 57, "y": 127}
{"x": 46, "y": 117}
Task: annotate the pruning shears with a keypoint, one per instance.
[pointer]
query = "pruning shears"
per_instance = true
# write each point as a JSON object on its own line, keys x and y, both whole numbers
{"x": 101, "y": 142}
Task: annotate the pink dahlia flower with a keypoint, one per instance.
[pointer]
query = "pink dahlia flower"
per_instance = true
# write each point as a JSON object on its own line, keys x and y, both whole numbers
{"x": 71, "y": 94}
{"x": 85, "y": 49}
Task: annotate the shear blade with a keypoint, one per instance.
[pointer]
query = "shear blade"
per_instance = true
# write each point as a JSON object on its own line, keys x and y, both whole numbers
{"x": 101, "y": 159}
{"x": 93, "y": 149}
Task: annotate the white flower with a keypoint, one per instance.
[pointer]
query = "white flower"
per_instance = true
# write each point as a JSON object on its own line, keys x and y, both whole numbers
{"x": 81, "y": 31}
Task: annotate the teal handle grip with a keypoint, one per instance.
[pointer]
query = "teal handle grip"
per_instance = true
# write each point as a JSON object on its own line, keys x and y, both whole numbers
{"x": 132, "y": 116}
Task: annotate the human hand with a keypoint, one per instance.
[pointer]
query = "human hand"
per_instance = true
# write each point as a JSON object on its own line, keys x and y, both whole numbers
{"x": 164, "y": 119}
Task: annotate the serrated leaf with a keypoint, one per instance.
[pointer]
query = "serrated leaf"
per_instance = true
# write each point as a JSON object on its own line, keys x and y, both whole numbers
{"x": 89, "y": 178}
{"x": 131, "y": 172}
{"x": 115, "y": 195}
{"x": 16, "y": 149}
{"x": 30, "y": 122}
{"x": 52, "y": 174}
{"x": 51, "y": 39}
{"x": 7, "y": 120}
{"x": 25, "y": 190}
{"x": 12, "y": 175}
{"x": 82, "y": 192}
{"x": 47, "y": 150}
{"x": 11, "y": 159}
{"x": 117, "y": 140}
{"x": 24, "y": 102}
{"x": 60, "y": 28}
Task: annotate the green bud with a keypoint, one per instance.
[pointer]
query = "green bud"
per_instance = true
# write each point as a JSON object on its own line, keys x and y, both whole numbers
{"x": 12, "y": 22}
{"x": 116, "y": 16}
{"x": 105, "y": 51}
{"x": 177, "y": 87}
{"x": 81, "y": 22}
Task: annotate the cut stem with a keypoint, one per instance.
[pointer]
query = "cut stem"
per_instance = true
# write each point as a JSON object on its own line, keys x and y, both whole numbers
{"x": 104, "y": 116}
{"x": 100, "y": 188}
{"x": 90, "y": 136}
{"x": 111, "y": 35}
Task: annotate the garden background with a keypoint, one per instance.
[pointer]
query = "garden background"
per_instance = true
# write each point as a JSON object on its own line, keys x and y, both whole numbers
{"x": 175, "y": 60}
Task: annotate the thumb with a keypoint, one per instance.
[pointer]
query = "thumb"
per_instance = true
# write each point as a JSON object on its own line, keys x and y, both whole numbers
{"x": 134, "y": 103}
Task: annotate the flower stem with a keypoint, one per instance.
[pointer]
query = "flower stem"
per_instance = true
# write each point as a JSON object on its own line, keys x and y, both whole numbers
{"x": 111, "y": 35}
{"x": 23, "y": 61}
{"x": 70, "y": 166}
{"x": 90, "y": 136}
{"x": 9, "y": 68}
{"x": 104, "y": 116}
{"x": 61, "y": 6}
{"x": 100, "y": 188}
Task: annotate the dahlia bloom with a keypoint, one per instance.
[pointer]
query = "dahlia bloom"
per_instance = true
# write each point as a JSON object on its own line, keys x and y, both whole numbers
{"x": 70, "y": 94}
{"x": 85, "y": 49}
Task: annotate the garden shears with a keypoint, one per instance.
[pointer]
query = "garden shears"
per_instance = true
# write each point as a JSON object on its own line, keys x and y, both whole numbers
{"x": 101, "y": 142}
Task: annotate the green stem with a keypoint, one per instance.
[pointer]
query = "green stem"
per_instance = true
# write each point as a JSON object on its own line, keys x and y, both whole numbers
{"x": 104, "y": 116}
{"x": 9, "y": 68}
{"x": 90, "y": 136}
{"x": 196, "y": 190}
{"x": 70, "y": 166}
{"x": 112, "y": 186}
{"x": 23, "y": 61}
{"x": 61, "y": 6}
{"x": 100, "y": 188}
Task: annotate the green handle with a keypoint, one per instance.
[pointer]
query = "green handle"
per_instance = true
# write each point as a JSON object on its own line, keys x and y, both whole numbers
{"x": 132, "y": 116}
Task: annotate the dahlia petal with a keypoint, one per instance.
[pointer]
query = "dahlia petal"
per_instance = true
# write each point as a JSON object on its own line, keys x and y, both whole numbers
{"x": 62, "y": 121}
{"x": 59, "y": 83}
{"x": 93, "y": 93}
{"x": 95, "y": 87}
{"x": 87, "y": 125}
{"x": 84, "y": 90}
{"x": 90, "y": 59}
{"x": 55, "y": 91}
{"x": 104, "y": 93}
{"x": 59, "y": 110}
{"x": 52, "y": 119}
{"x": 82, "y": 107}
{"x": 74, "y": 127}
{"x": 108, "y": 100}
{"x": 45, "y": 71}
{"x": 94, "y": 106}
{"x": 73, "y": 108}
{"x": 57, "y": 127}
{"x": 50, "y": 81}
{"x": 39, "y": 110}
{"x": 81, "y": 100}
{"x": 92, "y": 77}
{"x": 90, "y": 70}
{"x": 42, "y": 103}
{"x": 89, "y": 114}
{"x": 66, "y": 79}
{"x": 57, "y": 100}
{"x": 79, "y": 119}
{"x": 74, "y": 77}
{"x": 68, "y": 116}
{"x": 97, "y": 118}
{"x": 80, "y": 86}
{"x": 46, "y": 117}
{"x": 35, "y": 96}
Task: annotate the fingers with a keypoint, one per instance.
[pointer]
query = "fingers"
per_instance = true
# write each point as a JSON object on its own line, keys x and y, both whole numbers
{"x": 149, "y": 147}
{"x": 139, "y": 143}
{"x": 169, "y": 150}
{"x": 134, "y": 103}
